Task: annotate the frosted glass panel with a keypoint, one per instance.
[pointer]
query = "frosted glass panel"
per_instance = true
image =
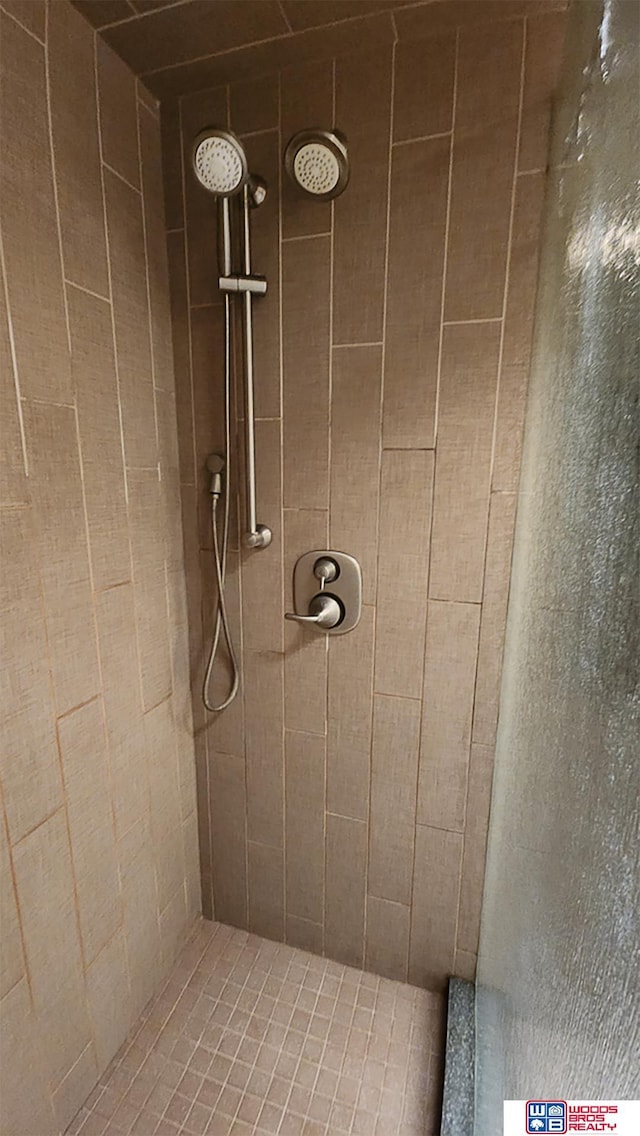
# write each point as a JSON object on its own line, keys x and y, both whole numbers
{"x": 557, "y": 1009}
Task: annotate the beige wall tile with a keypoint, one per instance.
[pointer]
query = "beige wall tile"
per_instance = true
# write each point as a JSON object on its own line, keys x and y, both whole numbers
{"x": 13, "y": 480}
{"x": 394, "y": 774}
{"x": 355, "y": 457}
{"x": 131, "y": 316}
{"x": 349, "y": 710}
{"x": 403, "y": 563}
{"x": 148, "y": 535}
{"x": 30, "y": 238}
{"x": 254, "y": 105}
{"x": 74, "y": 131}
{"x": 263, "y": 691}
{"x": 465, "y": 965}
{"x": 100, "y": 437}
{"x": 181, "y": 354}
{"x": 118, "y": 113}
{"x": 44, "y": 878}
{"x": 305, "y": 658}
{"x": 305, "y": 757}
{"x": 363, "y": 108}
{"x": 414, "y": 291}
{"x": 29, "y": 761}
{"x": 424, "y": 20}
{"x": 475, "y": 847}
{"x": 305, "y": 318}
{"x": 266, "y": 891}
{"x": 224, "y": 732}
{"x": 262, "y": 614}
{"x": 436, "y": 886}
{"x": 141, "y": 926}
{"x": 449, "y": 683}
{"x": 62, "y": 546}
{"x": 502, "y": 515}
{"x": 192, "y": 863}
{"x": 198, "y": 112}
{"x": 156, "y": 248}
{"x": 108, "y": 995}
{"x": 305, "y": 935}
{"x": 153, "y": 635}
{"x": 173, "y": 928}
{"x": 423, "y": 93}
{"x": 263, "y": 155}
{"x": 518, "y": 330}
{"x": 166, "y": 824}
{"x": 91, "y": 826}
{"x": 75, "y": 1085}
{"x": 488, "y": 94}
{"x": 306, "y": 96}
{"x": 387, "y": 950}
{"x": 208, "y": 379}
{"x": 172, "y": 163}
{"x": 346, "y": 866}
{"x": 228, "y": 806}
{"x": 30, "y": 13}
{"x": 25, "y": 1103}
{"x": 461, "y": 492}
{"x": 11, "y": 954}
{"x": 123, "y": 706}
{"x": 543, "y": 57}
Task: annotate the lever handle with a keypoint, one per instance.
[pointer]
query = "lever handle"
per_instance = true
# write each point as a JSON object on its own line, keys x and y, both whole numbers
{"x": 324, "y": 611}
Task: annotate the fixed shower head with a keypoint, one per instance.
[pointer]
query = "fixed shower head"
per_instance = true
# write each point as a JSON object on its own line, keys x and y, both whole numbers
{"x": 220, "y": 162}
{"x": 318, "y": 163}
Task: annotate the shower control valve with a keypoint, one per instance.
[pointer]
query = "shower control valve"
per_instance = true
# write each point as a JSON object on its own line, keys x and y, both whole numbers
{"x": 334, "y": 607}
{"x": 324, "y": 610}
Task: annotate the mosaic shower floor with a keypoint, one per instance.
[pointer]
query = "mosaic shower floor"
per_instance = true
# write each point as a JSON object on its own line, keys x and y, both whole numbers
{"x": 250, "y": 1036}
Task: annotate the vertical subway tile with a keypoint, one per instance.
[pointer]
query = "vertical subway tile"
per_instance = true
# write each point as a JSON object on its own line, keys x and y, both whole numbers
{"x": 165, "y": 802}
{"x": 518, "y": 330}
{"x": 152, "y": 624}
{"x": 346, "y": 865}
{"x": 363, "y": 108}
{"x": 475, "y": 847}
{"x": 62, "y": 547}
{"x": 123, "y": 705}
{"x": 414, "y": 291}
{"x": 494, "y": 616}
{"x": 461, "y": 492}
{"x": 355, "y": 457}
{"x": 86, "y": 780}
{"x": 304, "y": 825}
{"x": 141, "y": 927}
{"x": 305, "y": 658}
{"x": 13, "y": 480}
{"x": 227, "y": 811}
{"x": 305, "y": 935}
{"x": 29, "y": 763}
{"x": 305, "y": 317}
{"x": 349, "y": 710}
{"x": 26, "y": 1100}
{"x": 543, "y": 56}
{"x": 254, "y": 105}
{"x": 225, "y": 731}
{"x": 208, "y": 401}
{"x": 198, "y": 111}
{"x": 118, "y": 113}
{"x": 131, "y": 318}
{"x": 449, "y": 682}
{"x": 100, "y": 437}
{"x": 394, "y": 773}
{"x": 403, "y": 562}
{"x": 108, "y": 997}
{"x": 181, "y": 354}
{"x": 74, "y": 130}
{"x": 465, "y": 965}
{"x": 387, "y": 950}
{"x": 423, "y": 91}
{"x": 266, "y": 891}
{"x": 436, "y": 886}
{"x": 306, "y": 98}
{"x": 156, "y": 248}
{"x": 11, "y": 953}
{"x": 262, "y": 613}
{"x": 263, "y": 155}
{"x": 263, "y": 690}
{"x": 29, "y": 225}
{"x": 172, "y": 163}
{"x": 489, "y": 68}
{"x": 44, "y": 880}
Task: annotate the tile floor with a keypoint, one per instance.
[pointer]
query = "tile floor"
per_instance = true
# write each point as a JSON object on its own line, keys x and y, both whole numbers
{"x": 250, "y": 1036}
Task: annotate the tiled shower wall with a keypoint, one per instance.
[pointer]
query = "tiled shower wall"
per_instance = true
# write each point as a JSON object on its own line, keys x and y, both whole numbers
{"x": 344, "y": 797}
{"x": 98, "y": 831}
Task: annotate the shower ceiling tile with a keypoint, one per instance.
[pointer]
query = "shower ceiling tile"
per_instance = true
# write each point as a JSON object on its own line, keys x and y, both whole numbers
{"x": 418, "y": 20}
{"x": 101, "y": 12}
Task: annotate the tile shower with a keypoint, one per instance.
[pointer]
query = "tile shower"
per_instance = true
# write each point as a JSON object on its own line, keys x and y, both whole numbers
{"x": 341, "y": 805}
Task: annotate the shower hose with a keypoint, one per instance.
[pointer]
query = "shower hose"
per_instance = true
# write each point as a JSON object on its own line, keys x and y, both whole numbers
{"x": 220, "y": 553}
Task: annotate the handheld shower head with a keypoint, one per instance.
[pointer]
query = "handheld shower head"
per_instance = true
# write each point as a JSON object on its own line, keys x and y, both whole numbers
{"x": 219, "y": 161}
{"x": 318, "y": 163}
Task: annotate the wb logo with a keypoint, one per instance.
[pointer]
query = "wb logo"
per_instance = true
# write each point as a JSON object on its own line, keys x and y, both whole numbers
{"x": 546, "y": 1116}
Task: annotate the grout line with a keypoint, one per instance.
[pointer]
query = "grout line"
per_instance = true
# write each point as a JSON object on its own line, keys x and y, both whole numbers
{"x": 305, "y": 237}
{"x": 258, "y": 133}
{"x": 363, "y": 343}
{"x": 180, "y": 229}
{"x": 23, "y": 27}
{"x": 138, "y": 15}
{"x": 121, "y": 177}
{"x": 464, "y": 323}
{"x": 14, "y": 360}
{"x": 45, "y": 402}
{"x": 285, "y": 17}
{"x": 87, "y": 291}
{"x": 26, "y": 972}
{"x": 421, "y": 138}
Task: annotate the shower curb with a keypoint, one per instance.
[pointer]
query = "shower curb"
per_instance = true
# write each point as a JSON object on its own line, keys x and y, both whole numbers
{"x": 459, "y": 1072}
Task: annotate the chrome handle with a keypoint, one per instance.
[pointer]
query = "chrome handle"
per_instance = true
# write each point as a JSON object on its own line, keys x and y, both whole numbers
{"x": 324, "y": 611}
